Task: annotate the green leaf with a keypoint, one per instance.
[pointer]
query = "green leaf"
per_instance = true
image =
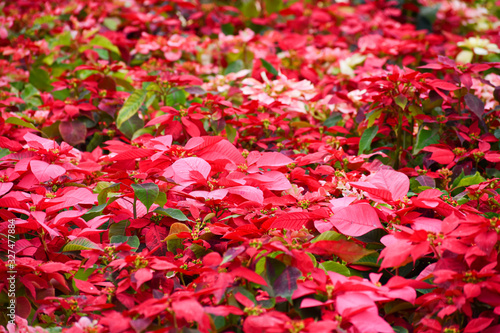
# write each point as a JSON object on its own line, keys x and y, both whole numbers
{"x": 133, "y": 241}
{"x": 273, "y": 6}
{"x": 249, "y": 9}
{"x": 18, "y": 85}
{"x": 176, "y": 98}
{"x": 150, "y": 101}
{"x": 234, "y": 67}
{"x": 328, "y": 236}
{"x": 496, "y": 133}
{"x": 230, "y": 133}
{"x": 4, "y": 152}
{"x": 63, "y": 39}
{"x": 20, "y": 122}
{"x": 369, "y": 260}
{"x": 112, "y": 23}
{"x": 229, "y": 217}
{"x": 94, "y": 212}
{"x": 83, "y": 273}
{"x": 103, "y": 194}
{"x": 28, "y": 91}
{"x": 51, "y": 131}
{"x": 427, "y": 16}
{"x": 458, "y": 179}
{"x": 101, "y": 186}
{"x": 366, "y": 139}
{"x": 61, "y": 94}
{"x": 372, "y": 116}
{"x": 124, "y": 83}
{"x": 131, "y": 106}
{"x": 146, "y": 193}
{"x": 105, "y": 43}
{"x": 492, "y": 173}
{"x": 399, "y": 329}
{"x": 332, "y": 266}
{"x": 333, "y": 120}
{"x": 471, "y": 180}
{"x": 95, "y": 142}
{"x": 132, "y": 126}
{"x": 463, "y": 200}
{"x": 142, "y": 131}
{"x": 401, "y": 101}
{"x": 397, "y": 306}
{"x": 174, "y": 244}
{"x": 198, "y": 250}
{"x": 415, "y": 111}
{"x": 118, "y": 229}
{"x": 425, "y": 138}
{"x": 46, "y": 19}
{"x": 80, "y": 243}
{"x": 40, "y": 79}
{"x": 227, "y": 29}
{"x": 176, "y": 214}
{"x": 372, "y": 236}
{"x": 161, "y": 200}
{"x": 103, "y": 54}
{"x": 269, "y": 67}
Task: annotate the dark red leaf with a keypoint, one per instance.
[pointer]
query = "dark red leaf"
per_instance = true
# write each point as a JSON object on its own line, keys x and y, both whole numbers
{"x": 346, "y": 250}
{"x": 475, "y": 105}
{"x": 73, "y": 132}
{"x": 286, "y": 283}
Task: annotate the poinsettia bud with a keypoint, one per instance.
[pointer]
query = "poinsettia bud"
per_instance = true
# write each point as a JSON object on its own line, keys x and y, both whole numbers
{"x": 496, "y": 94}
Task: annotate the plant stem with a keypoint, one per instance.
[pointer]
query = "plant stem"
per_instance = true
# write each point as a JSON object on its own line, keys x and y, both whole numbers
{"x": 399, "y": 135}
{"x": 412, "y": 125}
{"x": 135, "y": 206}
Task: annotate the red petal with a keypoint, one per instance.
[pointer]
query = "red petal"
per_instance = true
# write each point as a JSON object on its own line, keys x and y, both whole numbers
{"x": 143, "y": 275}
{"x": 44, "y": 171}
{"x": 442, "y": 156}
{"x": 5, "y": 187}
{"x": 86, "y": 287}
{"x": 273, "y": 160}
{"x": 356, "y": 220}
{"x": 249, "y": 275}
{"x": 183, "y": 167}
{"x": 443, "y": 85}
{"x": 492, "y": 156}
{"x": 291, "y": 221}
{"x": 477, "y": 325}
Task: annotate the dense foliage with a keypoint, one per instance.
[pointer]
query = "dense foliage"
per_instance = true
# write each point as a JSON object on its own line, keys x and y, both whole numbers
{"x": 251, "y": 166}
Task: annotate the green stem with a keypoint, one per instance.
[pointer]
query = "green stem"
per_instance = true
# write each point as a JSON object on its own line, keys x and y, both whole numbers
{"x": 182, "y": 279}
{"x": 412, "y": 125}
{"x": 135, "y": 207}
{"x": 399, "y": 136}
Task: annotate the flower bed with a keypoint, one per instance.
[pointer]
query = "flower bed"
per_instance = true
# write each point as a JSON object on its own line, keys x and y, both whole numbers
{"x": 250, "y": 166}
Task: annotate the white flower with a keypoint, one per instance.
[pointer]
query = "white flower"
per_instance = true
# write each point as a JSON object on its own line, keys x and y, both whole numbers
{"x": 246, "y": 35}
{"x": 289, "y": 92}
{"x": 347, "y": 65}
{"x": 475, "y": 45}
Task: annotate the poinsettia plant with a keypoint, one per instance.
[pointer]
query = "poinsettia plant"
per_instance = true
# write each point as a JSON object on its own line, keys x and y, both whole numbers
{"x": 249, "y": 166}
